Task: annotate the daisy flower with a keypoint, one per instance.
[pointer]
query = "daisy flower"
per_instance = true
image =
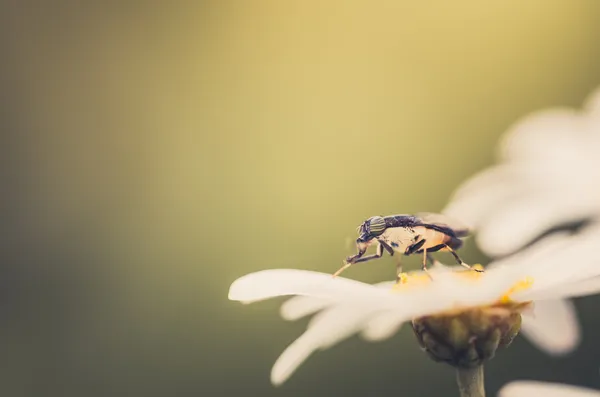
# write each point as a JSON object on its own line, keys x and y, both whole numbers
{"x": 531, "y": 388}
{"x": 459, "y": 316}
{"x": 543, "y": 182}
{"x": 544, "y": 179}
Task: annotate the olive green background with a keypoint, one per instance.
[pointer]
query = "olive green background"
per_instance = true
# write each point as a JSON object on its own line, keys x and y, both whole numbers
{"x": 154, "y": 152}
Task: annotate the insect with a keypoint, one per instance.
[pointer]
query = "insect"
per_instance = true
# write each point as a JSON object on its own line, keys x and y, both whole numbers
{"x": 421, "y": 233}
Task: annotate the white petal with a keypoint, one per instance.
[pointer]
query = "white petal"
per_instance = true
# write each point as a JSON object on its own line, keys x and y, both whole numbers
{"x": 564, "y": 267}
{"x": 301, "y": 306}
{"x": 382, "y": 326}
{"x": 336, "y": 322}
{"x": 283, "y": 282}
{"x": 592, "y": 108}
{"x": 375, "y": 326}
{"x": 480, "y": 195}
{"x": 324, "y": 330}
{"x": 477, "y": 208}
{"x": 542, "y": 135}
{"x": 586, "y": 287}
{"x": 540, "y": 251}
{"x": 544, "y": 263}
{"x": 554, "y": 327}
{"x": 521, "y": 221}
{"x": 545, "y": 389}
{"x": 291, "y": 359}
{"x": 489, "y": 177}
{"x": 573, "y": 261}
{"x": 386, "y": 324}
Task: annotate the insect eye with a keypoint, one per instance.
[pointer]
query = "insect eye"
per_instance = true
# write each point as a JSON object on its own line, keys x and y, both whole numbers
{"x": 363, "y": 232}
{"x": 376, "y": 226}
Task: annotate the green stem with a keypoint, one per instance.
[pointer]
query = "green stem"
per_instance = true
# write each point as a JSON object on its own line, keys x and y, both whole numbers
{"x": 470, "y": 381}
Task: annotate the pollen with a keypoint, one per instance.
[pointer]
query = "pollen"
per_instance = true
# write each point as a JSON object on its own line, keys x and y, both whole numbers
{"x": 477, "y": 266}
{"x": 408, "y": 280}
{"x": 403, "y": 278}
{"x": 420, "y": 278}
{"x": 522, "y": 285}
{"x": 472, "y": 274}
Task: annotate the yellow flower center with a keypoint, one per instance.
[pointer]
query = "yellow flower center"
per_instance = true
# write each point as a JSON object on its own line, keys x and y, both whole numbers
{"x": 417, "y": 279}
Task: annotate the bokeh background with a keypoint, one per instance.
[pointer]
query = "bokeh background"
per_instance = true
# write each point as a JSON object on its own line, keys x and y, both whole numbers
{"x": 153, "y": 152}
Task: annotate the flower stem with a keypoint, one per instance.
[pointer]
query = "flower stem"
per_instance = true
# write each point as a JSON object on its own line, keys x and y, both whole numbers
{"x": 470, "y": 381}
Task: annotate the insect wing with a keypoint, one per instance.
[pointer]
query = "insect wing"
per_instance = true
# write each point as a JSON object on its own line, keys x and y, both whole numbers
{"x": 444, "y": 221}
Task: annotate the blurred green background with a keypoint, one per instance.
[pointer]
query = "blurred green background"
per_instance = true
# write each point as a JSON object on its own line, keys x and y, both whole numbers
{"x": 154, "y": 152}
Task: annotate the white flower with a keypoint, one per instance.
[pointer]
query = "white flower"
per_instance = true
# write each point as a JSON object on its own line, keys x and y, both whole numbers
{"x": 547, "y": 176}
{"x": 544, "y": 274}
{"x": 546, "y": 389}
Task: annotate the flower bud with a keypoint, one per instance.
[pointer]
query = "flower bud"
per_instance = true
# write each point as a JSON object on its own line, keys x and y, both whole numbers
{"x": 467, "y": 338}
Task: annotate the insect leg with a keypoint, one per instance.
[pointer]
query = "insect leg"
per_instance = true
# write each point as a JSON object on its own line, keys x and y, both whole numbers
{"x": 378, "y": 254}
{"x": 460, "y": 261}
{"x": 415, "y": 247}
{"x": 430, "y": 259}
{"x": 359, "y": 258}
{"x": 398, "y": 269}
{"x": 425, "y": 257}
{"x": 389, "y": 249}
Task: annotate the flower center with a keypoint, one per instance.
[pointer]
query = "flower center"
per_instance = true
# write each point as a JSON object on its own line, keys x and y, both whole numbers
{"x": 466, "y": 335}
{"x": 420, "y": 278}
